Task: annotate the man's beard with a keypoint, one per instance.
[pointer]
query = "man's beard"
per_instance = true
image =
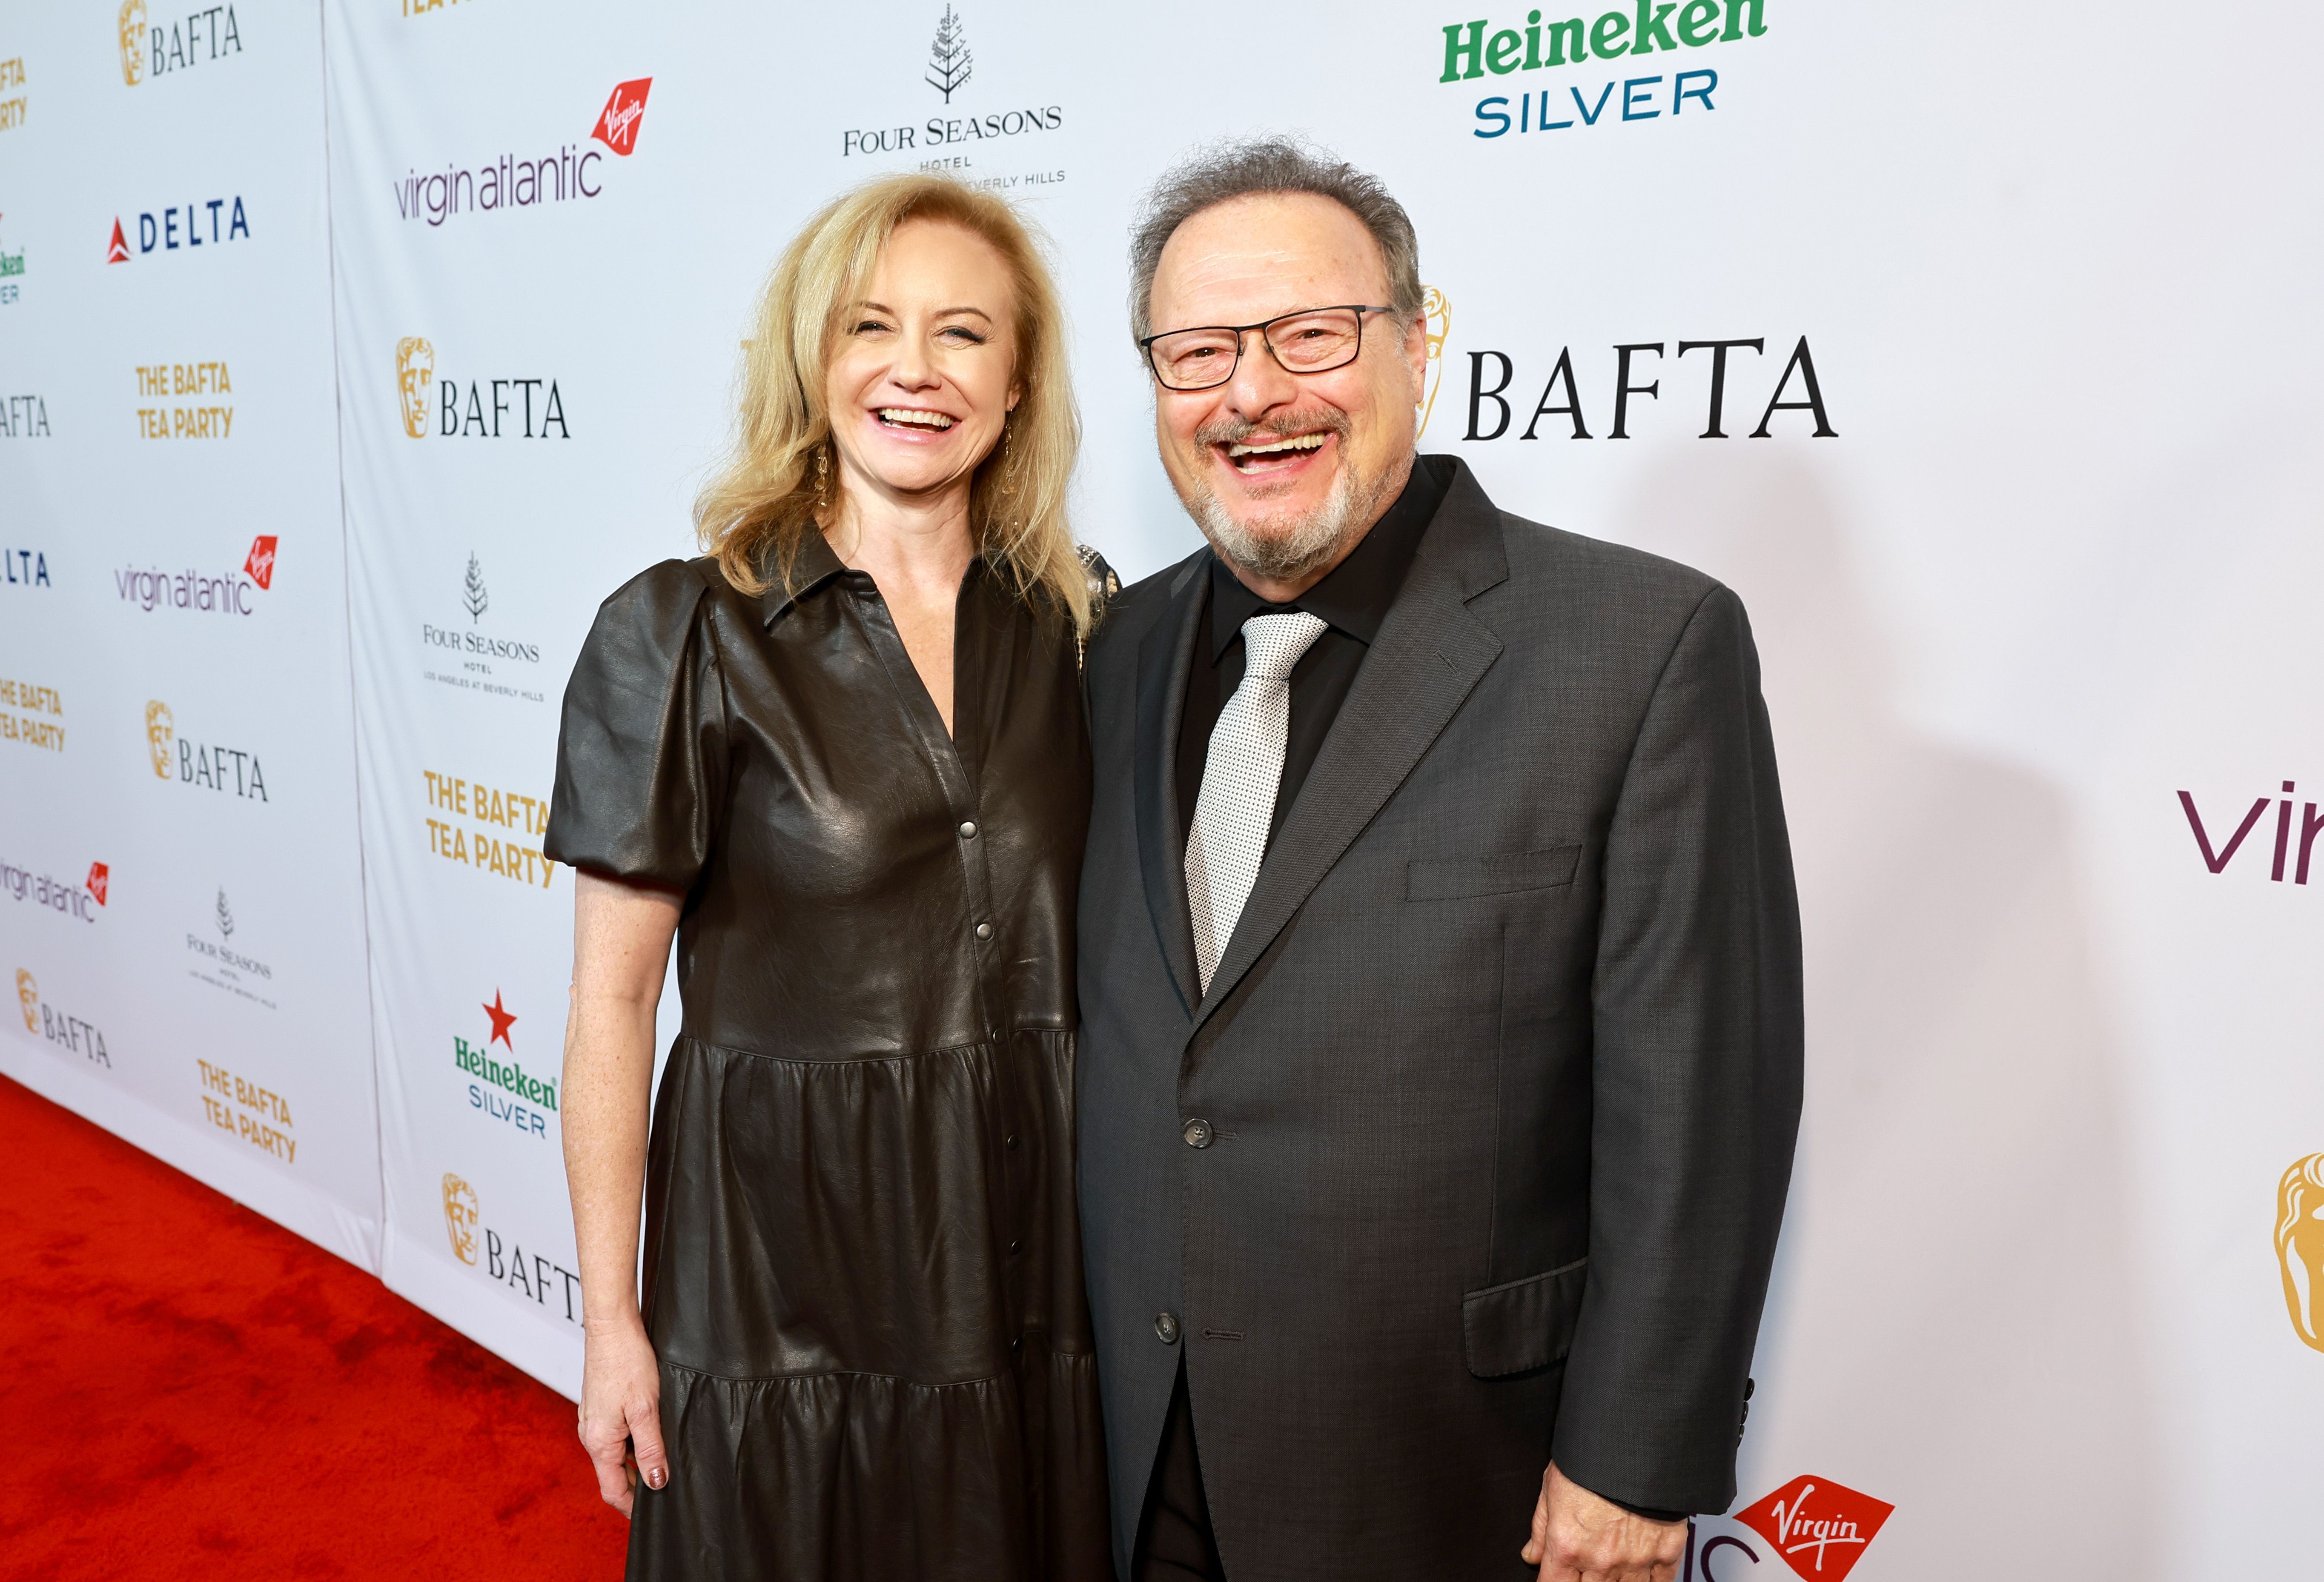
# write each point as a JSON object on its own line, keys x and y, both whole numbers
{"x": 1283, "y": 547}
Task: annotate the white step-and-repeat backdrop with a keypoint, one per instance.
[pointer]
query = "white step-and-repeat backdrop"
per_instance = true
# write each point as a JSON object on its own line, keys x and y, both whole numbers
{"x": 351, "y": 354}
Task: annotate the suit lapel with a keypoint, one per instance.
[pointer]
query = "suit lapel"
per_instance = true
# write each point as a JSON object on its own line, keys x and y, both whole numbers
{"x": 1163, "y": 656}
{"x": 1429, "y": 655}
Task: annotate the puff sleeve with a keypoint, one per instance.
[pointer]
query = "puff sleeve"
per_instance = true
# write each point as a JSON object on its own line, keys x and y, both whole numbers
{"x": 642, "y": 750}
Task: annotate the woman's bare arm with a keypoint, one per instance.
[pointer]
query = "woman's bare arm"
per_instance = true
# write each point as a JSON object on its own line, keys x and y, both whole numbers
{"x": 620, "y": 945}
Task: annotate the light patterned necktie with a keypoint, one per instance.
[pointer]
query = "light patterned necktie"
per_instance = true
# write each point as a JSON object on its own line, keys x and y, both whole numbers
{"x": 1241, "y": 778}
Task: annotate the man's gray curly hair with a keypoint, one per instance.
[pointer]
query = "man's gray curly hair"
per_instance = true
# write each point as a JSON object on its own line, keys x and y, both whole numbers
{"x": 1219, "y": 172}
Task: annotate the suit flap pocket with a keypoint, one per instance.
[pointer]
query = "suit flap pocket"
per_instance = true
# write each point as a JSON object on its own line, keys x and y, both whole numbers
{"x": 1526, "y": 1324}
{"x": 1496, "y": 875}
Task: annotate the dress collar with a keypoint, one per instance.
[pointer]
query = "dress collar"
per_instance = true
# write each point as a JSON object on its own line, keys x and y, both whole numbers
{"x": 813, "y": 564}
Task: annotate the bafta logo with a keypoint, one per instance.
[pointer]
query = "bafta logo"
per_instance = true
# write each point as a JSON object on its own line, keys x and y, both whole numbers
{"x": 460, "y": 1215}
{"x": 2300, "y": 1246}
{"x": 161, "y": 731}
{"x": 28, "y": 995}
{"x": 1437, "y": 315}
{"x": 415, "y": 369}
{"x": 132, "y": 44}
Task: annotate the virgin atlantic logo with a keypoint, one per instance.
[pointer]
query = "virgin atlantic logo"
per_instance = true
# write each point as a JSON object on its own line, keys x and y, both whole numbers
{"x": 1820, "y": 1527}
{"x": 512, "y": 179}
{"x": 617, "y": 128}
{"x": 2219, "y": 844}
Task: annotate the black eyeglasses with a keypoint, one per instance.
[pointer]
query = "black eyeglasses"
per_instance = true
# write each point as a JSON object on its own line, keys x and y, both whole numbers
{"x": 1314, "y": 340}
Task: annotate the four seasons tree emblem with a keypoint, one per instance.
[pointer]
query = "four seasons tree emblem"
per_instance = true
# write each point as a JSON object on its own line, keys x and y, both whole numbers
{"x": 949, "y": 62}
{"x": 473, "y": 596}
{"x": 224, "y": 917}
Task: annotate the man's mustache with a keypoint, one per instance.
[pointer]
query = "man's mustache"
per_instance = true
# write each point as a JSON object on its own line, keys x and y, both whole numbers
{"x": 1281, "y": 425}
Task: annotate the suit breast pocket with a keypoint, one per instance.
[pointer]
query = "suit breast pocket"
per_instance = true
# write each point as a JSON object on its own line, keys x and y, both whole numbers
{"x": 1495, "y": 874}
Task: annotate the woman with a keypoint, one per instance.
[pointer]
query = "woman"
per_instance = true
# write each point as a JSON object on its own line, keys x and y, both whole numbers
{"x": 842, "y": 758}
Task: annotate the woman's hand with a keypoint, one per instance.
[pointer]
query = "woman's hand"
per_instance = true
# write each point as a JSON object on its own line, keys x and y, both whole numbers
{"x": 621, "y": 1411}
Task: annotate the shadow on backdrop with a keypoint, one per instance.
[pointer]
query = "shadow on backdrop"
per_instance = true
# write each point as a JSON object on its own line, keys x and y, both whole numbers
{"x": 1954, "y": 1326}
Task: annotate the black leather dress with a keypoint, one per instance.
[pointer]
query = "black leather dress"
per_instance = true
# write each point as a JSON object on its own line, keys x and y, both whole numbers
{"x": 862, "y": 1273}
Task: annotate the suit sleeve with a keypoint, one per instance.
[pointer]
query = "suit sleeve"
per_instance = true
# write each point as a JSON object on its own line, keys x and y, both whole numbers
{"x": 1695, "y": 1084}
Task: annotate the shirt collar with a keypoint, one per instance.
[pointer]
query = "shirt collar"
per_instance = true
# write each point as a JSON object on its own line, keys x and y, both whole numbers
{"x": 1355, "y": 596}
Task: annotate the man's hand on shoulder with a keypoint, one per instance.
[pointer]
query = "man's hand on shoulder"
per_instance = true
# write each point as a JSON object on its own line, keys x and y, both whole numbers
{"x": 1581, "y": 1537}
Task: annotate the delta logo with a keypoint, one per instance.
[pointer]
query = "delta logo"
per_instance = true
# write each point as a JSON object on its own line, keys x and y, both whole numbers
{"x": 60, "y": 896}
{"x": 513, "y": 406}
{"x": 1820, "y": 1527}
{"x": 24, "y": 568}
{"x": 207, "y": 223}
{"x": 229, "y": 771}
{"x": 208, "y": 34}
{"x": 67, "y": 1032}
{"x": 511, "y": 180}
{"x": 505, "y": 1091}
{"x": 479, "y": 1246}
{"x": 193, "y": 591}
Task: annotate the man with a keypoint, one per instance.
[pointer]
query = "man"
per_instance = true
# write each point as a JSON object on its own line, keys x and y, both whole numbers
{"x": 1440, "y": 981}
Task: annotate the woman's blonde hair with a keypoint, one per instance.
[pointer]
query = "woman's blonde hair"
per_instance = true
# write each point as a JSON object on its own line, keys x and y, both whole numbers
{"x": 757, "y": 511}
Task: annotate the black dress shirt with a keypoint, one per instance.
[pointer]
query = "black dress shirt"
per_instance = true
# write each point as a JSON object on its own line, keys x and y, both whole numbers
{"x": 1353, "y": 600}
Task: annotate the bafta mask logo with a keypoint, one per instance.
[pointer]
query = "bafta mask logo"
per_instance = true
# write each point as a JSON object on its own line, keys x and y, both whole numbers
{"x": 460, "y": 1216}
{"x": 133, "y": 42}
{"x": 415, "y": 371}
{"x": 28, "y": 995}
{"x": 160, "y": 733}
{"x": 1436, "y": 314}
{"x": 2300, "y": 1246}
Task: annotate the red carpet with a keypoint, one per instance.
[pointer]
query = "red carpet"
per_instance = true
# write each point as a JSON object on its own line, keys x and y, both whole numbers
{"x": 190, "y": 1390}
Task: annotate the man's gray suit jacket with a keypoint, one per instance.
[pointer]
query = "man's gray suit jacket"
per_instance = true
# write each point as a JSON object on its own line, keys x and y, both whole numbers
{"x": 1499, "y": 1070}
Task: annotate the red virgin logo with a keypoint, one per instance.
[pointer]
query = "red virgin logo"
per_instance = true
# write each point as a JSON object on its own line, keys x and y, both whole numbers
{"x": 617, "y": 128}
{"x": 1820, "y": 1527}
{"x": 261, "y": 563}
{"x": 100, "y": 878}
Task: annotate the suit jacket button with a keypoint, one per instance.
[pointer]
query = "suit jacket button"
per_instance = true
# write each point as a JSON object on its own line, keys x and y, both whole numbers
{"x": 1165, "y": 1328}
{"x": 1197, "y": 1132}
